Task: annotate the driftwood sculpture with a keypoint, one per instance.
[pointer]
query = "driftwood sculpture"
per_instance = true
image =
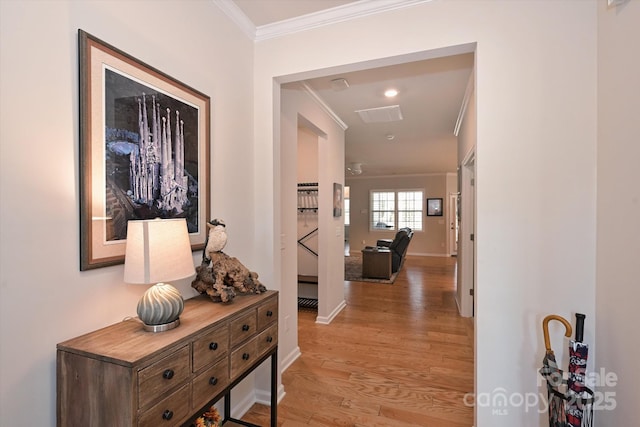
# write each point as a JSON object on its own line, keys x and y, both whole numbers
{"x": 219, "y": 275}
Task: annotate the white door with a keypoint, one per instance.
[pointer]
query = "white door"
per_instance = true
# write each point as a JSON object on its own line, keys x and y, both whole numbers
{"x": 453, "y": 224}
{"x": 466, "y": 270}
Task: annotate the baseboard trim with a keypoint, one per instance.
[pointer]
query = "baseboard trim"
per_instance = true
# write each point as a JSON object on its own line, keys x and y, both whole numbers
{"x": 352, "y": 253}
{"x": 327, "y": 320}
{"x": 242, "y": 407}
{"x": 263, "y": 397}
{"x": 289, "y": 359}
{"x": 427, "y": 254}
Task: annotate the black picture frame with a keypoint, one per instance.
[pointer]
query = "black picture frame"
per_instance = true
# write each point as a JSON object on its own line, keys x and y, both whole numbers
{"x": 144, "y": 151}
{"x": 434, "y": 207}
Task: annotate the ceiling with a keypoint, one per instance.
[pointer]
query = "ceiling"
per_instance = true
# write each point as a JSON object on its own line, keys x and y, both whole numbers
{"x": 263, "y": 12}
{"x": 430, "y": 96}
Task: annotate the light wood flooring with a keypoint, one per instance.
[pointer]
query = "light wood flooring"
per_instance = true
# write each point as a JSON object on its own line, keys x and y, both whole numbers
{"x": 398, "y": 355}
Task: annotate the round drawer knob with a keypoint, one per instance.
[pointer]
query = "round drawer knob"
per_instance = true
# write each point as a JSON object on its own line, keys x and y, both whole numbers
{"x": 245, "y": 327}
{"x": 213, "y": 381}
{"x": 245, "y": 356}
{"x": 167, "y": 415}
{"x": 213, "y": 346}
{"x": 168, "y": 374}
{"x": 269, "y": 339}
{"x": 269, "y": 313}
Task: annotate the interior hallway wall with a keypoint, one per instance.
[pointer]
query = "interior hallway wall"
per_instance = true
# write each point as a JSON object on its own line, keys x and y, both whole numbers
{"x": 298, "y": 108}
{"x": 536, "y": 138}
{"x": 45, "y": 299}
{"x": 618, "y": 270}
{"x": 308, "y": 218}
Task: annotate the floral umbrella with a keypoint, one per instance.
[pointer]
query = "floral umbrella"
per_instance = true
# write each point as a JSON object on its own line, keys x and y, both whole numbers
{"x": 579, "y": 397}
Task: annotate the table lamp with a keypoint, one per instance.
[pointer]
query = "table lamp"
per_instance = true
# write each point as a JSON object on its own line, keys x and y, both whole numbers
{"x": 158, "y": 251}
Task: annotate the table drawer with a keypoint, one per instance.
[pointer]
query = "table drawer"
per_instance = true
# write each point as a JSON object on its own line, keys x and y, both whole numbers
{"x": 243, "y": 327}
{"x": 169, "y": 412}
{"x": 210, "y": 347}
{"x": 267, "y": 313}
{"x": 267, "y": 339}
{"x": 243, "y": 357}
{"x": 160, "y": 377}
{"x": 210, "y": 382}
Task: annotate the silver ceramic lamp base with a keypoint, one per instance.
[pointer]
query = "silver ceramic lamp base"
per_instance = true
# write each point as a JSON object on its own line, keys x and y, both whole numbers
{"x": 160, "y": 307}
{"x": 161, "y": 328}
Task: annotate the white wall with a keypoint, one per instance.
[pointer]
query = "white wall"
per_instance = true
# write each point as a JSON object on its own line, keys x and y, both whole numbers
{"x": 536, "y": 111}
{"x": 618, "y": 270}
{"x": 45, "y": 299}
{"x": 308, "y": 219}
{"x": 298, "y": 107}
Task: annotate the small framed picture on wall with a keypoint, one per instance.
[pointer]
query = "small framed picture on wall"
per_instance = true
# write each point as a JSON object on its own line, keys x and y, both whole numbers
{"x": 434, "y": 207}
{"x": 337, "y": 200}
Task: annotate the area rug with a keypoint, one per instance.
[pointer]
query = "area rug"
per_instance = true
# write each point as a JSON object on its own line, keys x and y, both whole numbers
{"x": 353, "y": 271}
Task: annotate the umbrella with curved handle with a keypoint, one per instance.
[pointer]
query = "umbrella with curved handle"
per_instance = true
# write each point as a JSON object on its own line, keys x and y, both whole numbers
{"x": 553, "y": 375}
{"x": 545, "y": 329}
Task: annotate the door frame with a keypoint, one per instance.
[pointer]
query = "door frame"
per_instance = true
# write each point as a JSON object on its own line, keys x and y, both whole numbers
{"x": 467, "y": 238}
{"x": 453, "y": 224}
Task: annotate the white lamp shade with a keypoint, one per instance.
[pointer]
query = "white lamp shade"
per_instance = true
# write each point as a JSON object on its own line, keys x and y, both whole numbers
{"x": 157, "y": 250}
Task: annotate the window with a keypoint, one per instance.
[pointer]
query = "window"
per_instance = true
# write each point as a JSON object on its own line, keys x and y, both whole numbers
{"x": 392, "y": 210}
{"x": 410, "y": 209}
{"x": 383, "y": 209}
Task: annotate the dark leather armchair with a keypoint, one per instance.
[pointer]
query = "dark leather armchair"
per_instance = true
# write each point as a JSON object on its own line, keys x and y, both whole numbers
{"x": 398, "y": 247}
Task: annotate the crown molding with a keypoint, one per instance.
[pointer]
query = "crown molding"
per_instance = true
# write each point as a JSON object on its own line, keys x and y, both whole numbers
{"x": 312, "y": 20}
{"x": 465, "y": 102}
{"x": 324, "y": 106}
{"x": 231, "y": 9}
{"x": 331, "y": 16}
{"x": 399, "y": 176}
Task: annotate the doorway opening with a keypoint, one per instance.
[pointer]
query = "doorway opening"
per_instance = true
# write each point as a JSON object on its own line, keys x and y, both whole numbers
{"x": 308, "y": 191}
{"x": 334, "y": 259}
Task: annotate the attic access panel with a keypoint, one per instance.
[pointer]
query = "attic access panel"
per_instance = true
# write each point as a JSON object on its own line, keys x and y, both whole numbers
{"x": 389, "y": 113}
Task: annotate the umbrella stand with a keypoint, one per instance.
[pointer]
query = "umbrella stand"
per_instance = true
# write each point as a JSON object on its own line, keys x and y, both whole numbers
{"x": 553, "y": 375}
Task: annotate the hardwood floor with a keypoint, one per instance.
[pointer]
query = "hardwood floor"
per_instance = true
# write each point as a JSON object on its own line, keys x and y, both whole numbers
{"x": 397, "y": 355}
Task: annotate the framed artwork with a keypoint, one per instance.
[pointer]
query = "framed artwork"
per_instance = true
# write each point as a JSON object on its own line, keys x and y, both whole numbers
{"x": 144, "y": 151}
{"x": 337, "y": 200}
{"x": 434, "y": 207}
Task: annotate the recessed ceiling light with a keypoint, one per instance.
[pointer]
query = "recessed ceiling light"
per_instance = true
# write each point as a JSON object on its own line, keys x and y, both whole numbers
{"x": 390, "y": 93}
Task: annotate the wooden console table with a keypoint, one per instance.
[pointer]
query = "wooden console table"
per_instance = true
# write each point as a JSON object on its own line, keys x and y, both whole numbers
{"x": 122, "y": 376}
